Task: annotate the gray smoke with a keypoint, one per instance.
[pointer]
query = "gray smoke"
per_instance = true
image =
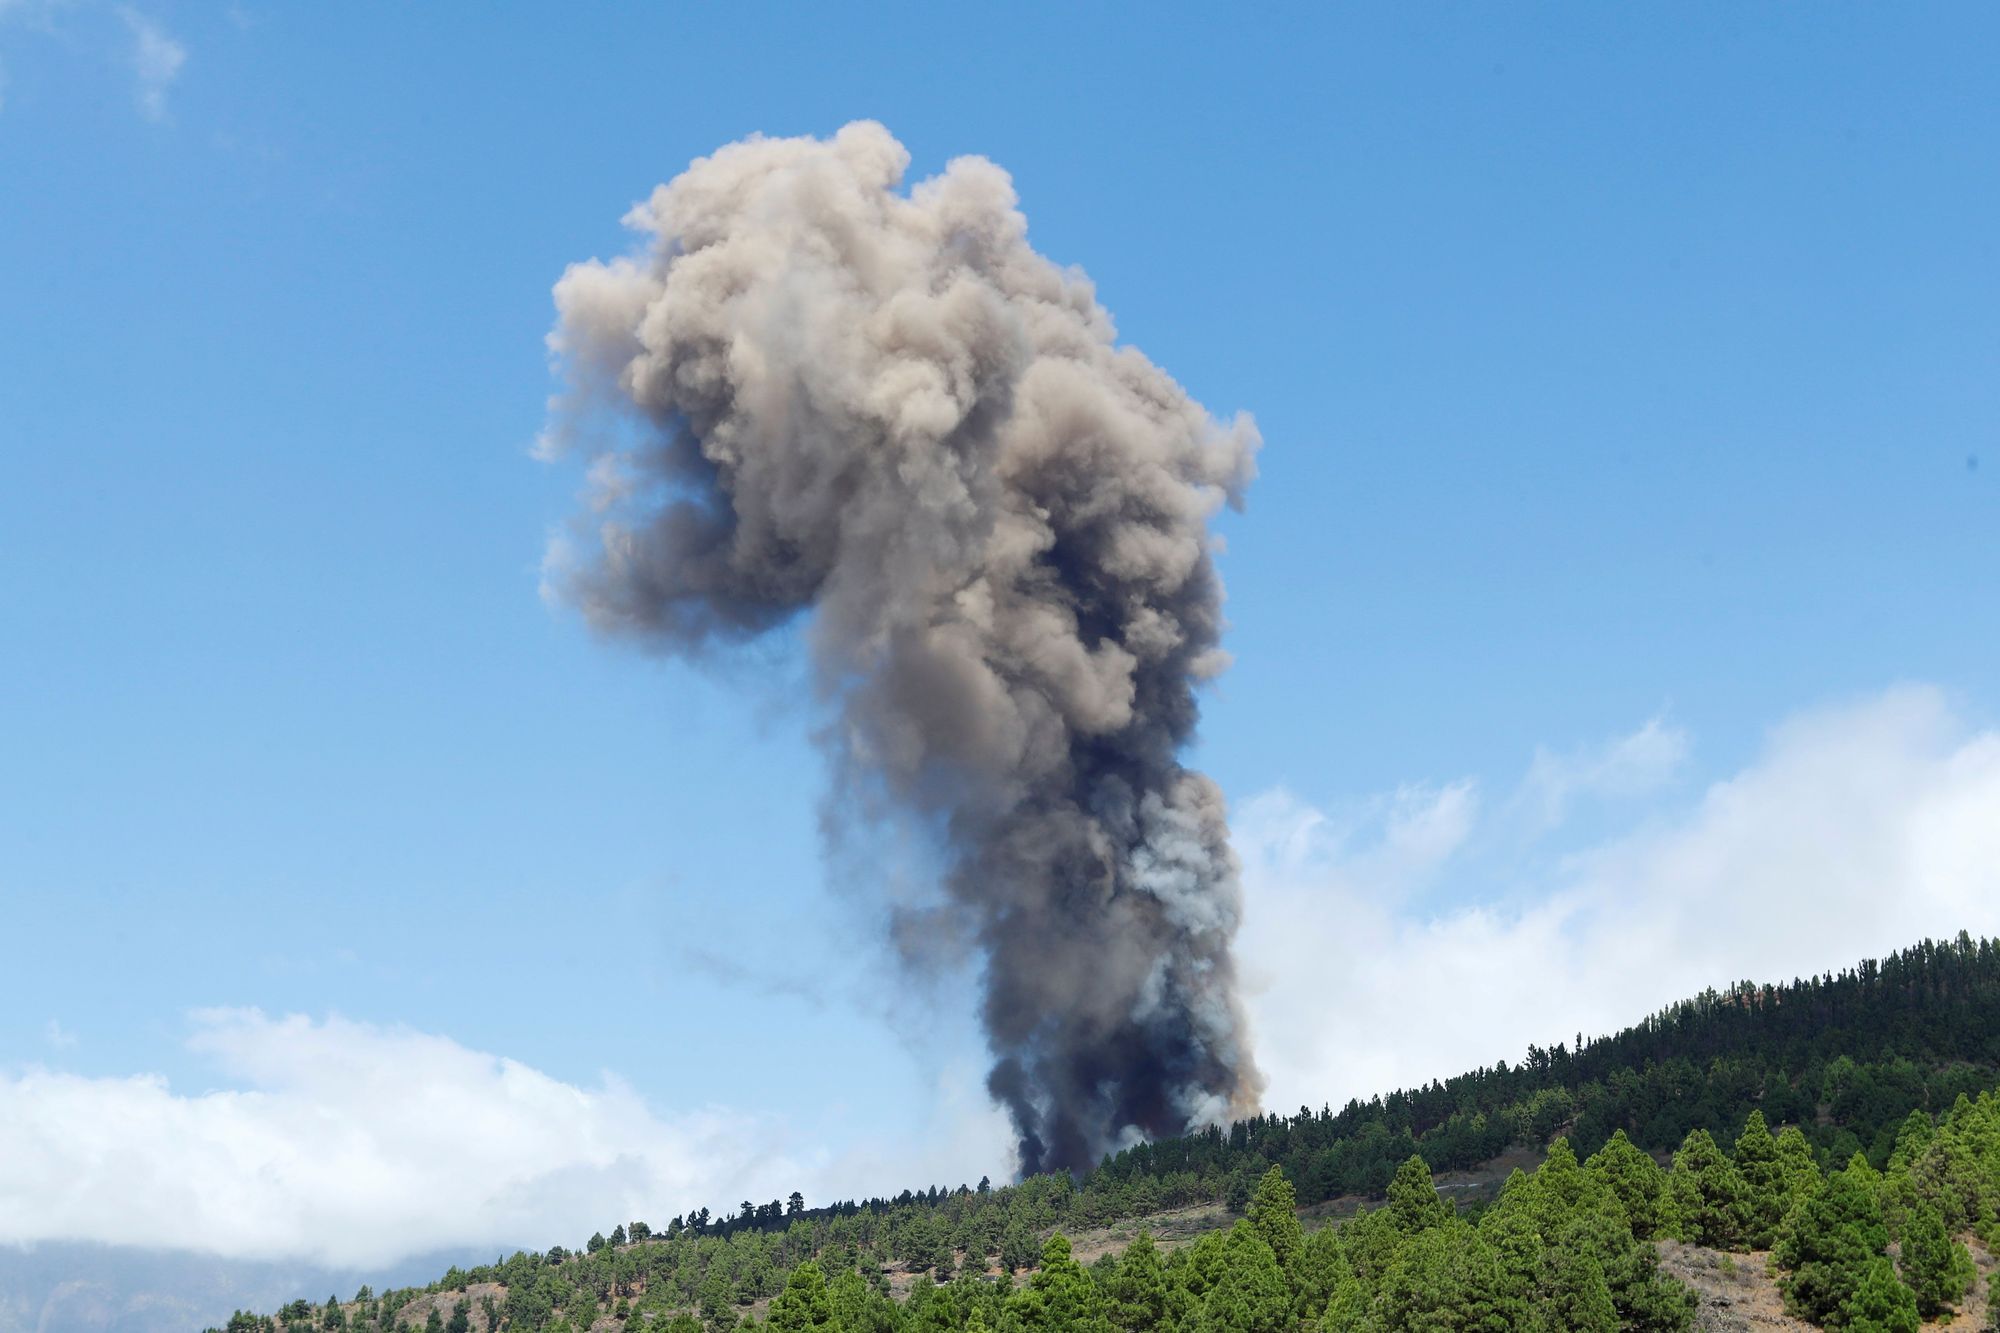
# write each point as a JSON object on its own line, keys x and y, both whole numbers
{"x": 813, "y": 391}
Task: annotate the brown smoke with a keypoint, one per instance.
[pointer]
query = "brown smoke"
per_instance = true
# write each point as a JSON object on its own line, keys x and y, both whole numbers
{"x": 814, "y": 392}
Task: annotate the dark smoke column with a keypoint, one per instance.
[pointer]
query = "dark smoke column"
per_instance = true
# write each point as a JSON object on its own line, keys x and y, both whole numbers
{"x": 813, "y": 391}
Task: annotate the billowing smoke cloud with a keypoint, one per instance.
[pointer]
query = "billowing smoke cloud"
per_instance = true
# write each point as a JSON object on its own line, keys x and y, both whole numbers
{"x": 815, "y": 391}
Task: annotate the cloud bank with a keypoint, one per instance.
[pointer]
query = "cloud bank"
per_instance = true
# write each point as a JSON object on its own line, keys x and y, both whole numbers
{"x": 354, "y": 1146}
{"x": 1858, "y": 830}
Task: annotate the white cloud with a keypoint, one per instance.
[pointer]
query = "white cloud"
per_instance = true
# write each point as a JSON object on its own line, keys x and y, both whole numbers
{"x": 1627, "y": 766}
{"x": 1857, "y": 831}
{"x": 156, "y": 62}
{"x": 58, "y": 1036}
{"x": 351, "y": 1144}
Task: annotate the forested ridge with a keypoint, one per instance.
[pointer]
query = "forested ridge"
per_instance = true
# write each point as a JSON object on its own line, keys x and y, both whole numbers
{"x": 1843, "y": 1122}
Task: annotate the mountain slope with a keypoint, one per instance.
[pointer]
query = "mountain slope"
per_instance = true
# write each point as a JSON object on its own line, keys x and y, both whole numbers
{"x": 1875, "y": 1066}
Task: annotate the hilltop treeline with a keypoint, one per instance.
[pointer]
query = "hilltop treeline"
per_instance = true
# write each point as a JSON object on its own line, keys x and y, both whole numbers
{"x": 1863, "y": 1046}
{"x": 1844, "y": 1061}
{"x": 1555, "y": 1252}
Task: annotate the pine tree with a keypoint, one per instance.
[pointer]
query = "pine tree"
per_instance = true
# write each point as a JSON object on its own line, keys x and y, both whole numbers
{"x": 1251, "y": 1295}
{"x": 1765, "y": 1198}
{"x": 804, "y": 1303}
{"x": 1137, "y": 1292}
{"x": 1018, "y": 1249}
{"x": 858, "y": 1307}
{"x": 1915, "y": 1135}
{"x": 1798, "y": 1168}
{"x": 1346, "y": 1306}
{"x": 1562, "y": 1189}
{"x": 1061, "y": 1297}
{"x": 1274, "y": 1212}
{"x": 1646, "y": 1300}
{"x": 1826, "y": 1245}
{"x": 1487, "y": 1298}
{"x": 1516, "y": 1244}
{"x": 928, "y": 1309}
{"x": 1574, "y": 1297}
{"x": 1880, "y": 1303}
{"x": 1706, "y": 1194}
{"x": 1321, "y": 1269}
{"x": 1419, "y": 1290}
{"x": 1937, "y": 1268}
{"x": 1635, "y": 1180}
{"x": 718, "y": 1314}
{"x": 1414, "y": 1204}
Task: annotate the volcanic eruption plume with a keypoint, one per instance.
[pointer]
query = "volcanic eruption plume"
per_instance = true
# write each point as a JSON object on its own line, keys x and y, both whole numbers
{"x": 812, "y": 391}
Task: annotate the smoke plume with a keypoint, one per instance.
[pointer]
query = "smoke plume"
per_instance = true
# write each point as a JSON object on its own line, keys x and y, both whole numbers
{"x": 812, "y": 391}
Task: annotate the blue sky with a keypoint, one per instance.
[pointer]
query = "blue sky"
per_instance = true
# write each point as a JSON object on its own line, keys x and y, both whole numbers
{"x": 1617, "y": 366}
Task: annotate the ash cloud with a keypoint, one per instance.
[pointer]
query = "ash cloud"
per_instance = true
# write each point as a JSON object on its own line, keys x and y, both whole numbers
{"x": 812, "y": 393}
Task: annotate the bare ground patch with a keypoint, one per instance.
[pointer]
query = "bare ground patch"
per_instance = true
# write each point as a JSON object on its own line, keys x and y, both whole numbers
{"x": 1739, "y": 1292}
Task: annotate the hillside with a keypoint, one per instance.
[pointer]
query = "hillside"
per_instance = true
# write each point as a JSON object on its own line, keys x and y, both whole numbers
{"x": 1863, "y": 1144}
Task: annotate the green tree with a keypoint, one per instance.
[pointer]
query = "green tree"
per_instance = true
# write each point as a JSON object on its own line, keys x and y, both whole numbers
{"x": 1705, "y": 1194}
{"x": 1060, "y": 1297}
{"x": 1511, "y": 1234}
{"x": 1635, "y": 1181}
{"x": 805, "y": 1302}
{"x": 859, "y": 1307}
{"x": 1937, "y": 1269}
{"x": 1137, "y": 1292}
{"x": 1765, "y": 1196}
{"x": 924, "y": 1246}
{"x": 1320, "y": 1270}
{"x": 1798, "y": 1168}
{"x": 1018, "y": 1249}
{"x": 1447, "y": 1278}
{"x": 718, "y": 1303}
{"x": 1191, "y": 1271}
{"x": 1346, "y": 1305}
{"x": 1414, "y": 1204}
{"x": 1561, "y": 1189}
{"x": 1274, "y": 1212}
{"x": 1880, "y": 1303}
{"x": 1826, "y": 1246}
{"x": 1250, "y": 1295}
{"x": 1647, "y": 1300}
{"x": 1574, "y": 1297}
{"x": 1419, "y": 1289}
{"x": 1490, "y": 1300}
